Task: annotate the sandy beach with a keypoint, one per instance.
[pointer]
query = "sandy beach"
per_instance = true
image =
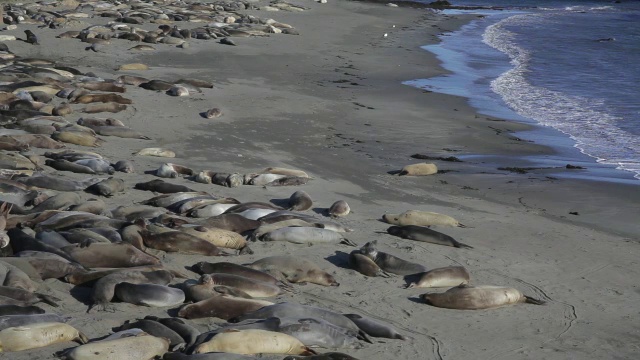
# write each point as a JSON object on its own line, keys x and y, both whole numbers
{"x": 331, "y": 102}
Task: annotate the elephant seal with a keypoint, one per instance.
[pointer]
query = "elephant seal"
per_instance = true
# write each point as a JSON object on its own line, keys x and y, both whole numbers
{"x": 261, "y": 342}
{"x": 9, "y": 321}
{"x": 253, "y": 288}
{"x": 223, "y": 307}
{"x": 108, "y": 187}
{"x": 421, "y": 218}
{"x": 390, "y": 263}
{"x": 424, "y": 234}
{"x": 294, "y": 269}
{"x": 421, "y": 169}
{"x": 364, "y": 265}
{"x": 162, "y": 187}
{"x": 149, "y": 294}
{"x": 103, "y": 98}
{"x": 124, "y": 166}
{"x": 187, "y": 332}
{"x": 169, "y": 170}
{"x": 212, "y": 113}
{"x": 100, "y": 255}
{"x": 325, "y": 356}
{"x": 31, "y": 37}
{"x": 13, "y": 310}
{"x": 207, "y": 356}
{"x": 154, "y": 328}
{"x": 306, "y": 235}
{"x": 339, "y": 208}
{"x": 104, "y": 289}
{"x": 375, "y": 328}
{"x": 218, "y": 237}
{"x": 16, "y": 296}
{"x": 106, "y": 107}
{"x": 38, "y": 335}
{"x": 139, "y": 347}
{"x": 238, "y": 270}
{"x": 284, "y": 171}
{"x": 159, "y": 152}
{"x": 293, "y": 310}
{"x": 467, "y": 297}
{"x": 178, "y": 241}
{"x": 310, "y": 331}
{"x": 232, "y": 222}
{"x": 300, "y": 201}
{"x": 77, "y": 138}
{"x": 442, "y": 277}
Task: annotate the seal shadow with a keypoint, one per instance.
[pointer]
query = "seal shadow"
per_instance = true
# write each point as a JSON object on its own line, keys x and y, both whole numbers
{"x": 339, "y": 259}
{"x": 394, "y": 172}
{"x": 283, "y": 203}
{"x": 320, "y": 211}
{"x": 82, "y": 294}
{"x": 416, "y": 300}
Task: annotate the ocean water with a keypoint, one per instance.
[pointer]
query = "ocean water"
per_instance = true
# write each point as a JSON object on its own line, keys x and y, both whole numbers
{"x": 571, "y": 66}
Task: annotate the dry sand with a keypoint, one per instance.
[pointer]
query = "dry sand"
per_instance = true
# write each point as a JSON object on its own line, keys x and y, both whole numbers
{"x": 331, "y": 102}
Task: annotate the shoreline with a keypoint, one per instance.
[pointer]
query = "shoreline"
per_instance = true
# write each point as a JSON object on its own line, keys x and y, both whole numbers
{"x": 331, "y": 102}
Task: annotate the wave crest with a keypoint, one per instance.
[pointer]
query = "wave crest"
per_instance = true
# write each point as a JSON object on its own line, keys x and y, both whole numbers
{"x": 593, "y": 131}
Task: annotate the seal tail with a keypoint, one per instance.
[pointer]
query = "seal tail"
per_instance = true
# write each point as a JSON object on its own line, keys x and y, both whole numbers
{"x": 531, "y": 300}
{"x": 81, "y": 339}
{"x": 308, "y": 351}
{"x": 364, "y": 337}
{"x": 348, "y": 242}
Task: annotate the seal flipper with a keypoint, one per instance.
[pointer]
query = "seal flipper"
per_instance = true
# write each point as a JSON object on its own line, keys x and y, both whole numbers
{"x": 531, "y": 300}
{"x": 51, "y": 300}
{"x": 348, "y": 242}
{"x": 461, "y": 245}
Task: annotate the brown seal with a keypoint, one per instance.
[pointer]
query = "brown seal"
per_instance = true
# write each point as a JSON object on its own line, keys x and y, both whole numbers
{"x": 222, "y": 307}
{"x": 294, "y": 269}
{"x": 424, "y": 234}
{"x": 99, "y": 255}
{"x": 232, "y": 222}
{"x": 339, "y": 208}
{"x": 178, "y": 241}
{"x": 300, "y": 201}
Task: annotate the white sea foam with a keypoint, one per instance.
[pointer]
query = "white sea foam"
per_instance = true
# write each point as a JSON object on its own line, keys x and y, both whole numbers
{"x": 593, "y": 131}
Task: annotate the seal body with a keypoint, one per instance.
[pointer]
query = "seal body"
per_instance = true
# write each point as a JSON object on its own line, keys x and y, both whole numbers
{"x": 365, "y": 265}
{"x": 421, "y": 218}
{"x": 38, "y": 335}
{"x": 149, "y": 294}
{"x": 129, "y": 348}
{"x": 300, "y": 201}
{"x": 254, "y": 342}
{"x": 442, "y": 277}
{"x": 390, "y": 263}
{"x": 339, "y": 208}
{"x": 466, "y": 297}
{"x": 223, "y": 307}
{"x": 421, "y": 169}
{"x": 295, "y": 269}
{"x": 424, "y": 234}
{"x": 375, "y": 328}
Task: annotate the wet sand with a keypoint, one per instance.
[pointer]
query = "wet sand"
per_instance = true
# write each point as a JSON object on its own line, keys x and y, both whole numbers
{"x": 330, "y": 102}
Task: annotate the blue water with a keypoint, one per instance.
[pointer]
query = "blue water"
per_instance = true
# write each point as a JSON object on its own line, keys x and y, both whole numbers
{"x": 546, "y": 62}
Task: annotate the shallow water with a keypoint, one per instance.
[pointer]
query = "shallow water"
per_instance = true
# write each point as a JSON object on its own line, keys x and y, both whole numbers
{"x": 569, "y": 66}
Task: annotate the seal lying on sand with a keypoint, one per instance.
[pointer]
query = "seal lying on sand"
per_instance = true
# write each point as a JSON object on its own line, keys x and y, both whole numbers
{"x": 424, "y": 234}
{"x": 467, "y": 297}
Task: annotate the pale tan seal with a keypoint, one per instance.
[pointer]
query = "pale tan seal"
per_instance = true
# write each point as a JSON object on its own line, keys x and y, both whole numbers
{"x": 421, "y": 169}
{"x": 143, "y": 346}
{"x": 35, "y": 336}
{"x": 250, "y": 342}
{"x": 421, "y": 218}
{"x": 159, "y": 152}
{"x": 294, "y": 269}
{"x": 442, "y": 277}
{"x": 467, "y": 297}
